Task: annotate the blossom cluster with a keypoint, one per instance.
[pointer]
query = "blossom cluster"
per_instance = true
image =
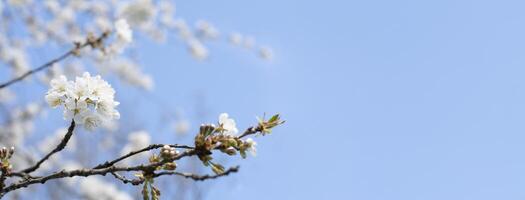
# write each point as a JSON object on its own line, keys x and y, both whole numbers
{"x": 223, "y": 137}
{"x": 5, "y": 155}
{"x": 88, "y": 100}
{"x": 124, "y": 37}
{"x": 168, "y": 152}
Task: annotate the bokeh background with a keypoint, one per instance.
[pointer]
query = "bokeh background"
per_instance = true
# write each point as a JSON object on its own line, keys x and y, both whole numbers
{"x": 383, "y": 99}
{"x": 401, "y": 100}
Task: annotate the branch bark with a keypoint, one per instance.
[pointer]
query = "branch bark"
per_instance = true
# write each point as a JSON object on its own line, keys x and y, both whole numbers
{"x": 90, "y": 42}
{"x": 58, "y": 148}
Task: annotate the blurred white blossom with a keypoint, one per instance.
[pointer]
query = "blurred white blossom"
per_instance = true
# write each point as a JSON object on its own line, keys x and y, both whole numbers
{"x": 206, "y": 30}
{"x": 236, "y": 38}
{"x": 123, "y": 30}
{"x": 251, "y": 146}
{"x": 266, "y": 53}
{"x": 197, "y": 49}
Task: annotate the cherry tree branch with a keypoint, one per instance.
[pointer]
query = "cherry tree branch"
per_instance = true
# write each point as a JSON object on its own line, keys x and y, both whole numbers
{"x": 148, "y": 148}
{"x": 58, "y": 148}
{"x": 89, "y": 172}
{"x": 126, "y": 180}
{"x": 196, "y": 177}
{"x": 147, "y": 170}
{"x": 250, "y": 131}
{"x": 91, "y": 41}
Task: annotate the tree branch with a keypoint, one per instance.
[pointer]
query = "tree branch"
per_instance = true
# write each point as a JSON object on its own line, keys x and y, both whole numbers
{"x": 196, "y": 177}
{"x": 150, "y": 147}
{"x": 58, "y": 148}
{"x": 249, "y": 131}
{"x": 109, "y": 166}
{"x": 126, "y": 180}
{"x": 89, "y": 42}
{"x": 89, "y": 172}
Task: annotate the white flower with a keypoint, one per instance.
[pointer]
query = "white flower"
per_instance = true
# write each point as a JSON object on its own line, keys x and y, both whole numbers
{"x": 138, "y": 12}
{"x": 59, "y": 84}
{"x": 236, "y": 38}
{"x": 251, "y": 146}
{"x": 206, "y": 30}
{"x": 88, "y": 100}
{"x": 266, "y": 53}
{"x": 197, "y": 49}
{"x": 228, "y": 124}
{"x": 90, "y": 120}
{"x": 123, "y": 30}
{"x": 54, "y": 99}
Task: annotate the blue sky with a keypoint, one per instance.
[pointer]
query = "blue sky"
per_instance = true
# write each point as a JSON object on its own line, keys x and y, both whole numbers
{"x": 401, "y": 100}
{"x": 384, "y": 99}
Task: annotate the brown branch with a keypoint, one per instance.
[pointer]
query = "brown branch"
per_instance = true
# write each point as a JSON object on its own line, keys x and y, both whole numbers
{"x": 196, "y": 177}
{"x": 150, "y": 147}
{"x": 89, "y": 172}
{"x": 58, "y": 148}
{"x": 126, "y": 180}
{"x": 250, "y": 131}
{"x": 109, "y": 166}
{"x": 93, "y": 42}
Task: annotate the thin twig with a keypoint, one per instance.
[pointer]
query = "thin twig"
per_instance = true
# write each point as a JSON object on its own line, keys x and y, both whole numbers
{"x": 109, "y": 166}
{"x": 90, "y": 172}
{"x": 126, "y": 180}
{"x": 150, "y": 147}
{"x": 58, "y": 148}
{"x": 249, "y": 131}
{"x": 198, "y": 177}
{"x": 73, "y": 51}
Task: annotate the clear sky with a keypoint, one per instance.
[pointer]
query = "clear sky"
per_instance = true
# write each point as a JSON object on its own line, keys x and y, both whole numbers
{"x": 397, "y": 100}
{"x": 384, "y": 99}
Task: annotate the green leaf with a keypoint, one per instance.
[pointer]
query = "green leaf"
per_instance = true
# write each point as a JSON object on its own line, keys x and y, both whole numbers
{"x": 155, "y": 193}
{"x": 217, "y": 168}
{"x": 274, "y": 118}
{"x": 243, "y": 153}
{"x": 145, "y": 195}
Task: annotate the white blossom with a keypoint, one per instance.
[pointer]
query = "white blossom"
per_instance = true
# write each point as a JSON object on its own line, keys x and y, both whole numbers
{"x": 197, "y": 49}
{"x": 138, "y": 12}
{"x": 266, "y": 53}
{"x": 227, "y": 124}
{"x": 88, "y": 100}
{"x": 123, "y": 30}
{"x": 206, "y": 30}
{"x": 251, "y": 146}
{"x": 236, "y": 38}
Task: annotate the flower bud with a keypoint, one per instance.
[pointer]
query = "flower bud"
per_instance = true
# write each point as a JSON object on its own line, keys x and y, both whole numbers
{"x": 170, "y": 166}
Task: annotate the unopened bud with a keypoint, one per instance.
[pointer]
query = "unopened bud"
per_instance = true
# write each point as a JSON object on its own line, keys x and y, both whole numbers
{"x": 230, "y": 151}
{"x": 170, "y": 166}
